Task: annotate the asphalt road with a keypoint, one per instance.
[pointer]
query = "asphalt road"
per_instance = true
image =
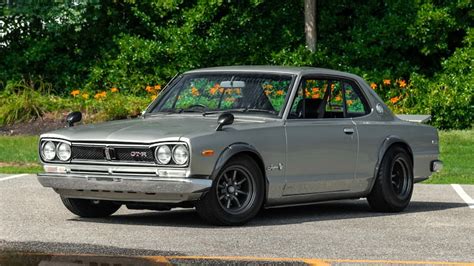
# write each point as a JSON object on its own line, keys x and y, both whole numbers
{"x": 437, "y": 226}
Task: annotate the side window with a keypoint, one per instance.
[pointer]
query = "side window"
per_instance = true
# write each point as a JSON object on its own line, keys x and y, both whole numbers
{"x": 354, "y": 104}
{"x": 335, "y": 105}
{"x": 325, "y": 98}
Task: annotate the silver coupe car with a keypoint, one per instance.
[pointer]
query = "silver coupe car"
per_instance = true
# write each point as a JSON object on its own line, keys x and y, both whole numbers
{"x": 230, "y": 141}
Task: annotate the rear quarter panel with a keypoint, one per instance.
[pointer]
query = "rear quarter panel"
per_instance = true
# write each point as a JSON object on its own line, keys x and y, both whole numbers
{"x": 376, "y": 137}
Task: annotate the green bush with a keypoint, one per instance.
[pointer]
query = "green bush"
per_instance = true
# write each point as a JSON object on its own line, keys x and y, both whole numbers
{"x": 24, "y": 100}
{"x": 449, "y": 96}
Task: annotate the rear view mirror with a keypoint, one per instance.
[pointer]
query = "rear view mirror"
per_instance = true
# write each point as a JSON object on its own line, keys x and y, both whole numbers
{"x": 232, "y": 84}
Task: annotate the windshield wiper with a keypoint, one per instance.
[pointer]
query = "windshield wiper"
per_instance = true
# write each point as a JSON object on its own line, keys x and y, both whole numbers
{"x": 240, "y": 110}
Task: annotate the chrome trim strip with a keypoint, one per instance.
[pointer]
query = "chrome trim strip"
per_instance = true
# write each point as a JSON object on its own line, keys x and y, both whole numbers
{"x": 111, "y": 144}
{"x": 127, "y": 163}
{"x": 55, "y": 140}
{"x": 132, "y": 170}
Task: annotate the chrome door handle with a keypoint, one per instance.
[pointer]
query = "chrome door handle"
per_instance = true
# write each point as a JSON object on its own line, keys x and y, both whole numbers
{"x": 349, "y": 131}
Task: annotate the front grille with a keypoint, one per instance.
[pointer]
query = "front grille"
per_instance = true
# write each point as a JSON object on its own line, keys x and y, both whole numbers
{"x": 88, "y": 153}
{"x": 116, "y": 153}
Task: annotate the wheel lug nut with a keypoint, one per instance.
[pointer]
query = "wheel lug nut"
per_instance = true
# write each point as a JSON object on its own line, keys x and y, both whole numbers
{"x": 236, "y": 193}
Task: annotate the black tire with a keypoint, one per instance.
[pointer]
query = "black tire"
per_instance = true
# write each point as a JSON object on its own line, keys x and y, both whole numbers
{"x": 90, "y": 208}
{"x": 215, "y": 208}
{"x": 393, "y": 186}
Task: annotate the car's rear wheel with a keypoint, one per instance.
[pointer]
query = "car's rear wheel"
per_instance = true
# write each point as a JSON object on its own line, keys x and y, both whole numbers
{"x": 236, "y": 194}
{"x": 90, "y": 208}
{"x": 393, "y": 186}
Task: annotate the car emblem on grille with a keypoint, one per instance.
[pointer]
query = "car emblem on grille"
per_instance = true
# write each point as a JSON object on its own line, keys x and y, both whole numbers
{"x": 138, "y": 154}
{"x": 109, "y": 153}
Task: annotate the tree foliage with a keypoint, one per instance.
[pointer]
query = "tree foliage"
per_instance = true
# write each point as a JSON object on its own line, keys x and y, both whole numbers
{"x": 131, "y": 44}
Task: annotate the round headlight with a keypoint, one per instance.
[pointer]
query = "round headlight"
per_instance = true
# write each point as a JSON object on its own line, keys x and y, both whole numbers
{"x": 163, "y": 154}
{"x": 49, "y": 151}
{"x": 180, "y": 154}
{"x": 64, "y": 151}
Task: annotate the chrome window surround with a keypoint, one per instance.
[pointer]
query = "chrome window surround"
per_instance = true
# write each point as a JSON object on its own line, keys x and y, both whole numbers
{"x": 124, "y": 145}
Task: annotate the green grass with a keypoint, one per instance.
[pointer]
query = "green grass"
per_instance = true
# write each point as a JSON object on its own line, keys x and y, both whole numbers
{"x": 19, "y": 149}
{"x": 18, "y": 154}
{"x": 457, "y": 154}
{"x": 21, "y": 169}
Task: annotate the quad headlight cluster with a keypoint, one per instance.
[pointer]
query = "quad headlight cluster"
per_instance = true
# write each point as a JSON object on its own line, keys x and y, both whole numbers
{"x": 51, "y": 151}
{"x": 166, "y": 154}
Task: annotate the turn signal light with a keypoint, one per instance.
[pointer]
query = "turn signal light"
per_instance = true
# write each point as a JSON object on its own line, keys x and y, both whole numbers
{"x": 207, "y": 153}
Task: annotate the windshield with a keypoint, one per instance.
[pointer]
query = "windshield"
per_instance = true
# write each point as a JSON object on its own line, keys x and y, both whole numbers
{"x": 208, "y": 93}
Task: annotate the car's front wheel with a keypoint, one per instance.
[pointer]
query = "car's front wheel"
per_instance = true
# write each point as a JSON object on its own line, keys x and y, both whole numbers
{"x": 236, "y": 195}
{"x": 394, "y": 182}
{"x": 90, "y": 208}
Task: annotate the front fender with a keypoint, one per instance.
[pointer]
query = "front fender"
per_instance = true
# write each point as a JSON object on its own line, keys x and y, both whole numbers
{"x": 235, "y": 149}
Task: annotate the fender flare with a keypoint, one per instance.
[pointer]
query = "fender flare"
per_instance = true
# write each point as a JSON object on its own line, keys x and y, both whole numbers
{"x": 386, "y": 144}
{"x": 235, "y": 149}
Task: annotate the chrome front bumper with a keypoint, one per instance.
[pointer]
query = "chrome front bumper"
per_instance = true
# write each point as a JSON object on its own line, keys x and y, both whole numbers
{"x": 126, "y": 188}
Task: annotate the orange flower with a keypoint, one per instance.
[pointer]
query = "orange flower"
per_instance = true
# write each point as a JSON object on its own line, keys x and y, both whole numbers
{"x": 74, "y": 93}
{"x": 386, "y": 82}
{"x": 373, "y": 85}
{"x": 349, "y": 102}
{"x": 338, "y": 98}
{"x": 315, "y": 96}
{"x": 237, "y": 91}
{"x": 268, "y": 86}
{"x": 394, "y": 100}
{"x": 114, "y": 89}
{"x": 213, "y": 90}
{"x": 85, "y": 96}
{"x": 195, "y": 91}
{"x": 157, "y": 87}
{"x": 315, "y": 90}
{"x": 280, "y": 92}
{"x": 402, "y": 83}
{"x": 149, "y": 89}
{"x": 100, "y": 95}
{"x": 308, "y": 94}
{"x": 333, "y": 86}
{"x": 267, "y": 92}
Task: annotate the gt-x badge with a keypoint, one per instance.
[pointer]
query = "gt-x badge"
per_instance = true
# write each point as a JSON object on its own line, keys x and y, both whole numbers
{"x": 272, "y": 167}
{"x": 138, "y": 154}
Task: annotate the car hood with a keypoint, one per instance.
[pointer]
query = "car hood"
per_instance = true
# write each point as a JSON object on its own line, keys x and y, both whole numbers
{"x": 145, "y": 130}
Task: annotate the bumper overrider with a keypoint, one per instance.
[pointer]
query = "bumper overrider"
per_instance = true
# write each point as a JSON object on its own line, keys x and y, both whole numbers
{"x": 126, "y": 187}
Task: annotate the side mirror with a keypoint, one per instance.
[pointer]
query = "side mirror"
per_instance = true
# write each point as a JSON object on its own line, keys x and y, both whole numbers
{"x": 73, "y": 117}
{"x": 224, "y": 120}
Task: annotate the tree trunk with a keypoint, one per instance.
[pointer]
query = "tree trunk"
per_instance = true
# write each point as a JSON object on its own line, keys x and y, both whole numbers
{"x": 310, "y": 24}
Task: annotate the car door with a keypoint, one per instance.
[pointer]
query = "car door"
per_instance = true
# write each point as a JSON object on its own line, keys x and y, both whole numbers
{"x": 321, "y": 139}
